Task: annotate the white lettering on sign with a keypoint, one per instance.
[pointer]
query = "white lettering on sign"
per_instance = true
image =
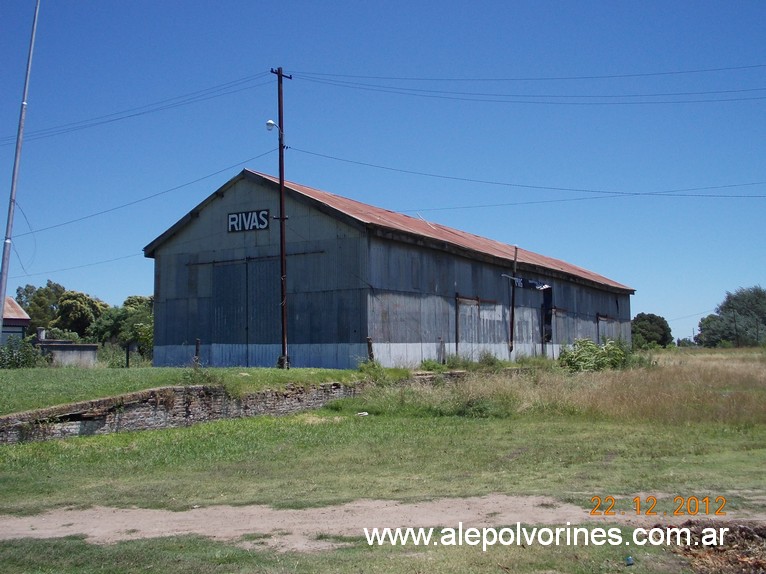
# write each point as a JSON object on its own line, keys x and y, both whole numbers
{"x": 248, "y": 220}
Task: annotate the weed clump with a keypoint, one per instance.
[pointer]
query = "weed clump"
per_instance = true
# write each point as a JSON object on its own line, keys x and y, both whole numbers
{"x": 374, "y": 372}
{"x": 585, "y": 355}
{"x": 486, "y": 363}
{"x": 20, "y": 354}
{"x": 201, "y": 376}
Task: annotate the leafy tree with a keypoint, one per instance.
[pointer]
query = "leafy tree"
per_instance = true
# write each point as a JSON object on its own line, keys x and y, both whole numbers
{"x": 139, "y": 323}
{"x": 131, "y": 323}
{"x": 106, "y": 329}
{"x": 145, "y": 338}
{"x": 139, "y": 302}
{"x": 650, "y": 330}
{"x": 715, "y": 331}
{"x": 40, "y": 303}
{"x": 77, "y": 312}
{"x": 740, "y": 320}
{"x": 72, "y": 315}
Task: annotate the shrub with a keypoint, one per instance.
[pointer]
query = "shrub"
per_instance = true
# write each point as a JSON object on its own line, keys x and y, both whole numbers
{"x": 19, "y": 354}
{"x": 432, "y": 365}
{"x": 201, "y": 376}
{"x": 61, "y": 334}
{"x": 488, "y": 361}
{"x": 617, "y": 353}
{"x": 113, "y": 357}
{"x": 374, "y": 372}
{"x": 456, "y": 363}
{"x": 585, "y": 355}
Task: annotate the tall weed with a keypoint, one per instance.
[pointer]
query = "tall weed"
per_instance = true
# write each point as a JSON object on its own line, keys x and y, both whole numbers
{"x": 731, "y": 392}
{"x": 20, "y": 354}
{"x": 585, "y": 355}
{"x": 475, "y": 396}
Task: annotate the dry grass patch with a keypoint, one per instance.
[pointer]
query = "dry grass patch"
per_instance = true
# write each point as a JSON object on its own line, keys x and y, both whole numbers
{"x": 728, "y": 357}
{"x": 727, "y": 387}
{"x": 702, "y": 392}
{"x": 715, "y": 387}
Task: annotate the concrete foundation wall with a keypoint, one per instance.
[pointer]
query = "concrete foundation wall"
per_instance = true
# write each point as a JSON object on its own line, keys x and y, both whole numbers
{"x": 167, "y": 407}
{"x": 71, "y": 355}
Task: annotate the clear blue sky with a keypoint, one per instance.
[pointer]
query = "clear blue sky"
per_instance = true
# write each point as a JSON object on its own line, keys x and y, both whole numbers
{"x": 565, "y": 107}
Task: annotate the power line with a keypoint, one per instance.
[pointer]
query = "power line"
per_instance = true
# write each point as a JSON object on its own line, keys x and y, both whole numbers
{"x": 239, "y": 85}
{"x": 502, "y": 95}
{"x": 692, "y": 315}
{"x": 675, "y": 192}
{"x": 610, "y": 195}
{"x": 514, "y": 99}
{"x": 147, "y": 198}
{"x": 93, "y": 264}
{"x": 217, "y": 91}
{"x": 602, "y": 193}
{"x": 540, "y": 78}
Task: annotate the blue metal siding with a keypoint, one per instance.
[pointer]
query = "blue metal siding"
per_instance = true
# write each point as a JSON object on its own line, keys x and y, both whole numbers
{"x": 230, "y": 304}
{"x": 343, "y": 285}
{"x": 264, "y": 305}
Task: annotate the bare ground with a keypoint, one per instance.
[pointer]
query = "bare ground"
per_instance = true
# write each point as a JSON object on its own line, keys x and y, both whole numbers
{"x": 298, "y": 530}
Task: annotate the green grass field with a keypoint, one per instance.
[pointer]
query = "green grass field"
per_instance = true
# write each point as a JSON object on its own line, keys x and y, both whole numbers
{"x": 694, "y": 425}
{"x": 193, "y": 554}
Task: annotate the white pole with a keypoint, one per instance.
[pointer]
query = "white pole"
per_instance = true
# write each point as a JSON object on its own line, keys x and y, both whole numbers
{"x": 15, "y": 176}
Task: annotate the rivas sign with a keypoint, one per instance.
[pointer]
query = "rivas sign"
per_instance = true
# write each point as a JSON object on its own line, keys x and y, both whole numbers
{"x": 248, "y": 220}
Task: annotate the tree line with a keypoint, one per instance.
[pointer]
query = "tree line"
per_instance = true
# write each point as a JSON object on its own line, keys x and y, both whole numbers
{"x": 739, "y": 321}
{"x": 72, "y": 315}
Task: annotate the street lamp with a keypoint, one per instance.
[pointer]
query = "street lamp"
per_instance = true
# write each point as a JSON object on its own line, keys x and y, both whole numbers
{"x": 284, "y": 361}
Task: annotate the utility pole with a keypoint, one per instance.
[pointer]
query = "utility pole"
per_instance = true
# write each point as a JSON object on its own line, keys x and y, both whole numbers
{"x": 15, "y": 176}
{"x": 284, "y": 360}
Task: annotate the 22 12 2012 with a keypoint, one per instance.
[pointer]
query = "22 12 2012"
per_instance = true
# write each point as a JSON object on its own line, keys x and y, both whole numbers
{"x": 684, "y": 506}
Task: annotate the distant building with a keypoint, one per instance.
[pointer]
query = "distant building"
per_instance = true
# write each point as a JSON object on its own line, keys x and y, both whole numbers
{"x": 359, "y": 279}
{"x": 66, "y": 353}
{"x": 15, "y": 320}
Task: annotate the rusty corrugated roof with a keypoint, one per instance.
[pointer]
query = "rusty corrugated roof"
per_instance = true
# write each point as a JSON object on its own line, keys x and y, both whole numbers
{"x": 383, "y": 218}
{"x": 12, "y": 311}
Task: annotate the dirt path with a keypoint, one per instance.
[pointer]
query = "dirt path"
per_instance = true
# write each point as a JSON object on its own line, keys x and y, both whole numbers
{"x": 298, "y": 529}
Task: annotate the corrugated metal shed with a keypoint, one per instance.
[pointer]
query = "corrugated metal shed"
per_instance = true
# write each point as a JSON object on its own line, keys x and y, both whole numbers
{"x": 13, "y": 314}
{"x": 383, "y": 220}
{"x": 361, "y": 280}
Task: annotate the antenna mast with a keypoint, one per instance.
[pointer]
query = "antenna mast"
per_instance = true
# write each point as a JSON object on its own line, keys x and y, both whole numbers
{"x": 15, "y": 176}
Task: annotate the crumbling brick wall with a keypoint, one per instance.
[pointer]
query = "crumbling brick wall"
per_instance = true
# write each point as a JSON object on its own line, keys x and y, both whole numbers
{"x": 166, "y": 407}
